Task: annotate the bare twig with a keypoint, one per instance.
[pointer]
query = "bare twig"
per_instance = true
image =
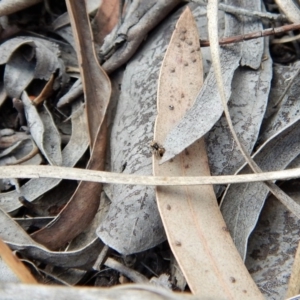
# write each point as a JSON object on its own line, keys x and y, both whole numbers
{"x": 129, "y": 273}
{"x": 253, "y": 35}
{"x": 101, "y": 258}
{"x": 117, "y": 178}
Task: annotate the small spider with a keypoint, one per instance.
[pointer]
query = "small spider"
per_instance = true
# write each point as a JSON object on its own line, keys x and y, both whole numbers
{"x": 157, "y": 149}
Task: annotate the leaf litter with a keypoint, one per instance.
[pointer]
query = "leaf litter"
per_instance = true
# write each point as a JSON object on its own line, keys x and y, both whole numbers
{"x": 40, "y": 70}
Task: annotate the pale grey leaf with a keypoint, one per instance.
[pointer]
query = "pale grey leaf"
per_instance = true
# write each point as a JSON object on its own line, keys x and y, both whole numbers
{"x": 27, "y": 58}
{"x": 51, "y": 138}
{"x": 18, "y": 74}
{"x": 272, "y": 248}
{"x": 247, "y": 105}
{"x": 10, "y": 149}
{"x": 6, "y": 273}
{"x": 252, "y": 50}
{"x": 242, "y": 203}
{"x": 284, "y": 104}
{"x": 43, "y": 131}
{"x": 72, "y": 152}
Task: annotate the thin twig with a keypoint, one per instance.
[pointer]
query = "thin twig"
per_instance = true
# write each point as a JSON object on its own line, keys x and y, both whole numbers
{"x": 252, "y": 35}
{"x": 129, "y": 273}
{"x": 24, "y": 171}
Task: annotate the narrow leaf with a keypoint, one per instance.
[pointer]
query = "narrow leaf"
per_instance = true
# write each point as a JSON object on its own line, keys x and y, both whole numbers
{"x": 43, "y": 131}
{"x": 83, "y": 205}
{"x": 195, "y": 228}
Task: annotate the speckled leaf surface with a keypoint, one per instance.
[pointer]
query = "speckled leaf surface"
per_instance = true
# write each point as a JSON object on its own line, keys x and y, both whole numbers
{"x": 133, "y": 223}
{"x": 207, "y": 108}
{"x": 247, "y": 106}
{"x": 272, "y": 247}
{"x": 284, "y": 104}
{"x": 242, "y": 203}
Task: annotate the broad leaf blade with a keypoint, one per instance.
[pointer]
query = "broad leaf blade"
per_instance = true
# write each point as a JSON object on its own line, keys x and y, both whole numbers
{"x": 196, "y": 231}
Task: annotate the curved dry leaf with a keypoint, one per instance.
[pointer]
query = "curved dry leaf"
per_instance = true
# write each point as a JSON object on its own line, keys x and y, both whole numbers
{"x": 242, "y": 203}
{"x": 24, "y": 152}
{"x": 96, "y": 84}
{"x": 83, "y": 205}
{"x": 192, "y": 232}
{"x": 272, "y": 247}
{"x": 43, "y": 131}
{"x": 22, "y": 68}
{"x": 18, "y": 239}
{"x": 18, "y": 74}
{"x": 140, "y": 18}
{"x": 72, "y": 152}
{"x": 283, "y": 107}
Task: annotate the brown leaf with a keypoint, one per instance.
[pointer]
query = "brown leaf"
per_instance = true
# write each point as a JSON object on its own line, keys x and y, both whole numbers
{"x": 195, "y": 228}
{"x": 83, "y": 205}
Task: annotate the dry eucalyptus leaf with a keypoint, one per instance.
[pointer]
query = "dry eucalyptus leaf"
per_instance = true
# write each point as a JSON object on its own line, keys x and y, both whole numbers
{"x": 96, "y": 84}
{"x": 192, "y": 233}
{"x": 140, "y": 18}
{"x": 130, "y": 152}
{"x": 88, "y": 235}
{"x": 43, "y": 131}
{"x": 252, "y": 51}
{"x": 247, "y": 105}
{"x": 283, "y": 107}
{"x": 272, "y": 247}
{"x": 242, "y": 203}
{"x": 207, "y": 109}
{"x": 25, "y": 152}
{"x": 82, "y": 206}
{"x": 72, "y": 152}
{"x": 27, "y": 58}
{"x": 133, "y": 223}
{"x": 18, "y": 239}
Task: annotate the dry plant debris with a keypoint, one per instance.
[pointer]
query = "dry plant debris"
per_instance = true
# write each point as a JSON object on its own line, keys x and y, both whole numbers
{"x": 119, "y": 130}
